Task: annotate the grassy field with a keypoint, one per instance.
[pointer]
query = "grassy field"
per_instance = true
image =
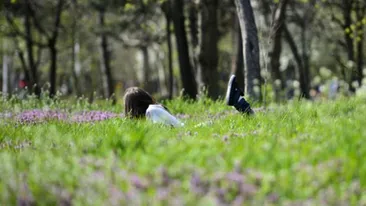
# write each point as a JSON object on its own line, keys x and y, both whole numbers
{"x": 301, "y": 153}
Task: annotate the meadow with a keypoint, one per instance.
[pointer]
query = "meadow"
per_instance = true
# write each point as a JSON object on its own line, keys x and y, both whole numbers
{"x": 54, "y": 152}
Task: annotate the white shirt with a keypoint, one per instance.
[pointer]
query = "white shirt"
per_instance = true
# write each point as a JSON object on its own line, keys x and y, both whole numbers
{"x": 157, "y": 114}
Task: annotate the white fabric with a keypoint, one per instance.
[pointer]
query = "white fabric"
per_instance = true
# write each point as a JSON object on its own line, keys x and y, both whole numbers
{"x": 157, "y": 114}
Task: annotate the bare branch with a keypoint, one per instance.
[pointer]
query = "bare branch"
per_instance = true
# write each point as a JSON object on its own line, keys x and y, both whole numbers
{"x": 17, "y": 31}
{"x": 36, "y": 21}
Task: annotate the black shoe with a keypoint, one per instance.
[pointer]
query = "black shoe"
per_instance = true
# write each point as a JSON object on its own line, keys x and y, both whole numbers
{"x": 233, "y": 92}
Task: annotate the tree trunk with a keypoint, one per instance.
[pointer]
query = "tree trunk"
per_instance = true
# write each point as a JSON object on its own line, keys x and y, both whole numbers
{"x": 250, "y": 48}
{"x": 276, "y": 35}
{"x": 53, "y": 69}
{"x": 166, "y": 7}
{"x": 193, "y": 30}
{"x": 360, "y": 13}
{"x": 305, "y": 72}
{"x": 186, "y": 72}
{"x": 304, "y": 85}
{"x": 360, "y": 61}
{"x": 5, "y": 86}
{"x": 208, "y": 57}
{"x": 347, "y": 12}
{"x": 52, "y": 41}
{"x": 170, "y": 57}
{"x": 146, "y": 68}
{"x": 29, "y": 45}
{"x": 108, "y": 86}
{"x": 347, "y": 9}
{"x": 20, "y": 54}
{"x": 238, "y": 60}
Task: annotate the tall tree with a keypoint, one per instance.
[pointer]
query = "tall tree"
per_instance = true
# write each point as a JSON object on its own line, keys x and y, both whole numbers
{"x": 237, "y": 66}
{"x": 304, "y": 83}
{"x": 186, "y": 72}
{"x": 52, "y": 41}
{"x": 24, "y": 10}
{"x": 167, "y": 12}
{"x": 250, "y": 43}
{"x": 107, "y": 80}
{"x": 208, "y": 56}
{"x": 360, "y": 35}
{"x": 276, "y": 36}
{"x": 5, "y": 73}
{"x": 49, "y": 32}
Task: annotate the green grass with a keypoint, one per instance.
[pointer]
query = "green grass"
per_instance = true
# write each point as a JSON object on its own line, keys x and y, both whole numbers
{"x": 301, "y": 152}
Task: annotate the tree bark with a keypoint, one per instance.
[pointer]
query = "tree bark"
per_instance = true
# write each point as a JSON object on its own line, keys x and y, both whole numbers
{"x": 360, "y": 13}
{"x": 53, "y": 69}
{"x": 146, "y": 68}
{"x": 208, "y": 56}
{"x": 276, "y": 35}
{"x": 186, "y": 72}
{"x": 347, "y": 9}
{"x": 108, "y": 86}
{"x": 238, "y": 62}
{"x": 23, "y": 62}
{"x": 5, "y": 86}
{"x": 304, "y": 84}
{"x": 193, "y": 12}
{"x": 29, "y": 45}
{"x": 167, "y": 11}
{"x": 305, "y": 72}
{"x": 250, "y": 48}
{"x": 170, "y": 58}
{"x": 52, "y": 41}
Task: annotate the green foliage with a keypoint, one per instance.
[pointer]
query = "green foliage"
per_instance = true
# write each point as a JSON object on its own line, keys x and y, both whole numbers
{"x": 300, "y": 152}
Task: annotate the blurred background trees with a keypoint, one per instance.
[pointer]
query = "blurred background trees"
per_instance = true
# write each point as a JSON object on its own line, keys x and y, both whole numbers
{"x": 279, "y": 49}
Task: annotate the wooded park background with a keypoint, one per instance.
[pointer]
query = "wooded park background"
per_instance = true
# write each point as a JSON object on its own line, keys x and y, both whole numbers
{"x": 279, "y": 49}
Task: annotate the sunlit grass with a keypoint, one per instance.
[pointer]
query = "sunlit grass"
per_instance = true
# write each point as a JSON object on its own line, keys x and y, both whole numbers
{"x": 298, "y": 152}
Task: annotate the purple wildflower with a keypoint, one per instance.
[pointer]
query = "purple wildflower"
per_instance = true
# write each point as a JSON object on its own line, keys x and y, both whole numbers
{"x": 92, "y": 116}
{"x": 37, "y": 116}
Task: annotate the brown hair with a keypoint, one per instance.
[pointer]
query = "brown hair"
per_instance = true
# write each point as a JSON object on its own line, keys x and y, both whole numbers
{"x": 137, "y": 101}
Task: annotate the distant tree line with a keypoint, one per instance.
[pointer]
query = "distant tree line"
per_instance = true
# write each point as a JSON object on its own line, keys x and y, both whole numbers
{"x": 100, "y": 47}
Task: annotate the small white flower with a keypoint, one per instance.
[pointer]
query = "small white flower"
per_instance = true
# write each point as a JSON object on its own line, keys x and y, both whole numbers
{"x": 350, "y": 64}
{"x": 355, "y": 84}
{"x": 277, "y": 83}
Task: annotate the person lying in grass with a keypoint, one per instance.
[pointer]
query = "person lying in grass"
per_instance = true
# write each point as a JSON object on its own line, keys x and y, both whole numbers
{"x": 140, "y": 104}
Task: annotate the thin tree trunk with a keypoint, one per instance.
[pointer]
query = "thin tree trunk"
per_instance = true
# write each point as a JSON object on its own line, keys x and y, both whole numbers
{"x": 360, "y": 61}
{"x": 303, "y": 84}
{"x": 277, "y": 27}
{"x": 193, "y": 31}
{"x": 208, "y": 57}
{"x": 170, "y": 57}
{"x": 5, "y": 75}
{"x": 20, "y": 54}
{"x": 53, "y": 69}
{"x": 106, "y": 69}
{"x": 166, "y": 7}
{"x": 146, "y": 68}
{"x": 305, "y": 72}
{"x": 347, "y": 12}
{"x": 29, "y": 45}
{"x": 238, "y": 62}
{"x": 53, "y": 50}
{"x": 186, "y": 72}
{"x": 360, "y": 42}
{"x": 250, "y": 48}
